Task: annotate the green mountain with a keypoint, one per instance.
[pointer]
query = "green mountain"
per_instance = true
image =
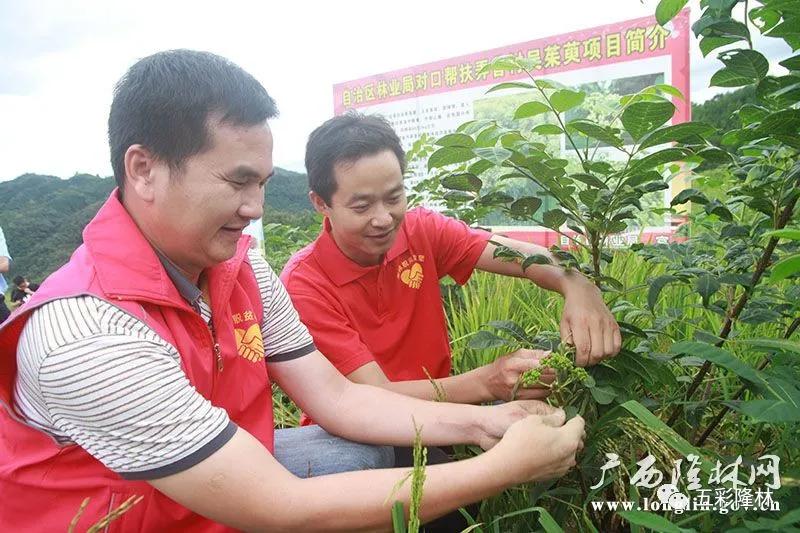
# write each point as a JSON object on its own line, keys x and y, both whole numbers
{"x": 43, "y": 216}
{"x": 719, "y": 110}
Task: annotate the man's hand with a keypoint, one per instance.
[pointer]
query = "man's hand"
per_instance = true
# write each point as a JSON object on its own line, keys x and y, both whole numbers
{"x": 501, "y": 376}
{"x": 587, "y": 324}
{"x": 498, "y": 418}
{"x": 541, "y": 447}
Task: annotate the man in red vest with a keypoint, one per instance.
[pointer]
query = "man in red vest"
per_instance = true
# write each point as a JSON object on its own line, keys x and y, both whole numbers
{"x": 368, "y": 286}
{"x": 143, "y": 367}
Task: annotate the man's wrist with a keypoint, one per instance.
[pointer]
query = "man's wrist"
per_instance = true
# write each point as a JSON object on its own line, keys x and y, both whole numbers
{"x": 572, "y": 282}
{"x": 479, "y": 379}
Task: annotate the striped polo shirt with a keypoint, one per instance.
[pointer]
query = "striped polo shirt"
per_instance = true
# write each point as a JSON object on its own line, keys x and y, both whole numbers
{"x": 91, "y": 374}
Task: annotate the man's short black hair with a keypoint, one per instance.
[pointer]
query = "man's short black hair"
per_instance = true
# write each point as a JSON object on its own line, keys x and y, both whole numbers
{"x": 165, "y": 100}
{"x": 346, "y": 139}
{"x": 18, "y": 280}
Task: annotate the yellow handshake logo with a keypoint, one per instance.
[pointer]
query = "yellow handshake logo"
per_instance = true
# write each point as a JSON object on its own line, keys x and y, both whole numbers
{"x": 412, "y": 276}
{"x": 249, "y": 343}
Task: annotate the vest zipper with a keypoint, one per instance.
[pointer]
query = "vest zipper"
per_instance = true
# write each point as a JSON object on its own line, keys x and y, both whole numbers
{"x": 217, "y": 351}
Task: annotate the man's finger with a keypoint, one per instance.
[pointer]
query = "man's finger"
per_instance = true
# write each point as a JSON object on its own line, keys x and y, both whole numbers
{"x": 566, "y": 333}
{"x": 608, "y": 340}
{"x": 598, "y": 342}
{"x": 536, "y": 407}
{"x": 617, "y": 339}
{"x": 555, "y": 420}
{"x": 583, "y": 345}
{"x": 575, "y": 427}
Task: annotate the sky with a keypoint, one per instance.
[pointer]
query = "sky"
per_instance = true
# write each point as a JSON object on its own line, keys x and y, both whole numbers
{"x": 60, "y": 60}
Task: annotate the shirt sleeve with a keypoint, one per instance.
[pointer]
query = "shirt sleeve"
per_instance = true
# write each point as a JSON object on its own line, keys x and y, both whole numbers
{"x": 91, "y": 374}
{"x": 285, "y": 336}
{"x": 457, "y": 246}
{"x": 333, "y": 333}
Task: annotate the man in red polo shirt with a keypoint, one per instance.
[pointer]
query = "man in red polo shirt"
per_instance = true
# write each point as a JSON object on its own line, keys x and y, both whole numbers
{"x": 368, "y": 287}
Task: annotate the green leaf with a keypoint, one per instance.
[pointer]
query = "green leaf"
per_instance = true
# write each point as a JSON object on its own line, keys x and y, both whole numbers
{"x": 603, "y": 395}
{"x": 667, "y": 9}
{"x": 630, "y": 329}
{"x": 590, "y": 180}
{"x": 535, "y": 259}
{"x": 507, "y": 63}
{"x": 791, "y": 234}
{"x": 721, "y": 27}
{"x": 782, "y": 345}
{"x": 554, "y": 219}
{"x": 706, "y": 286}
{"x": 525, "y": 207}
{"x": 505, "y": 253}
{"x": 708, "y": 44}
{"x": 664, "y": 88}
{"x": 652, "y": 521}
{"x": 449, "y": 155}
{"x": 483, "y": 340}
{"x": 773, "y": 411}
{"x": 638, "y": 178}
{"x": 756, "y": 315}
{"x": 719, "y": 357}
{"x": 726, "y": 77}
{"x": 785, "y": 267}
{"x": 458, "y": 196}
{"x": 678, "y": 132}
{"x": 666, "y": 155}
{"x": 770, "y": 91}
{"x": 456, "y": 139}
{"x": 495, "y": 198}
{"x": 496, "y": 154}
{"x": 689, "y": 195}
{"x": 793, "y": 63}
{"x": 479, "y": 167}
{"x": 398, "y": 518}
{"x": 750, "y": 113}
{"x": 641, "y": 118}
{"x": 786, "y": 121}
{"x": 595, "y": 131}
{"x": 530, "y": 109}
{"x": 547, "y": 522}
{"x": 547, "y": 129}
{"x": 565, "y": 99}
{"x": 715, "y": 207}
{"x": 462, "y": 182}
{"x": 512, "y": 328}
{"x": 655, "y": 289}
{"x": 746, "y": 63}
{"x": 510, "y": 85}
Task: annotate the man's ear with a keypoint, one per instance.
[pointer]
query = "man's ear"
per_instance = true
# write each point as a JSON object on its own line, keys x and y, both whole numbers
{"x": 319, "y": 204}
{"x": 140, "y": 169}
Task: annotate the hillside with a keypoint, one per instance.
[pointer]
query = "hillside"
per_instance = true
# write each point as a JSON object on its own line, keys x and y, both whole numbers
{"x": 43, "y": 216}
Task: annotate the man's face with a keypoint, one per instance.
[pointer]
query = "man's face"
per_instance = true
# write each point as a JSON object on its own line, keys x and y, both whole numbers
{"x": 367, "y": 208}
{"x": 23, "y": 285}
{"x": 198, "y": 212}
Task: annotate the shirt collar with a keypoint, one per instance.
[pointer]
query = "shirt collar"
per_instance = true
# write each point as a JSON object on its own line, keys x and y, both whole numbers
{"x": 188, "y": 290}
{"x": 340, "y": 268}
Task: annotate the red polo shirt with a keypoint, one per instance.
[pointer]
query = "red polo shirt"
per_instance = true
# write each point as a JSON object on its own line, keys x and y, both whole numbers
{"x": 390, "y": 313}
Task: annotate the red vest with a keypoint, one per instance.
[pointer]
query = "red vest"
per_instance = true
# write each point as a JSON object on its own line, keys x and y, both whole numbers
{"x": 42, "y": 483}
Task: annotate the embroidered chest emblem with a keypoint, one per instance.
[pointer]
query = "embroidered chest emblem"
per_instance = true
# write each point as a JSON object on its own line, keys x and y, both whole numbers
{"x": 249, "y": 343}
{"x": 411, "y": 274}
